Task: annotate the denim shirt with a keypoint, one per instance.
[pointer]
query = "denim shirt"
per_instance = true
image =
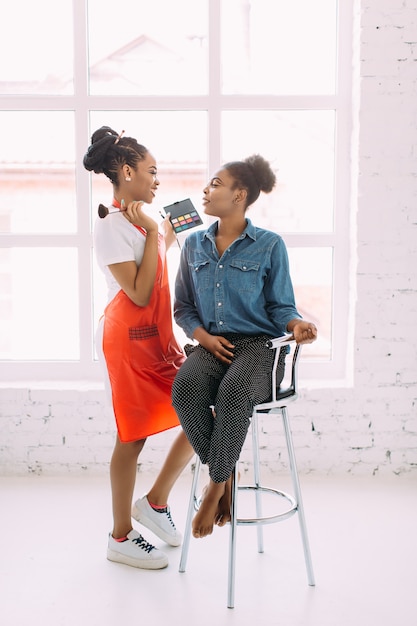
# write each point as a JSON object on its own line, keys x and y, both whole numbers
{"x": 247, "y": 290}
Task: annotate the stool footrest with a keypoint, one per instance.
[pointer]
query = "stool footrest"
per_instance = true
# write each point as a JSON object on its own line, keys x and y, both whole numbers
{"x": 257, "y": 521}
{"x": 270, "y": 519}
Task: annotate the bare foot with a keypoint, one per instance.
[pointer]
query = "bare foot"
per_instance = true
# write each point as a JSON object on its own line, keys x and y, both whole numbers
{"x": 205, "y": 518}
{"x": 223, "y": 510}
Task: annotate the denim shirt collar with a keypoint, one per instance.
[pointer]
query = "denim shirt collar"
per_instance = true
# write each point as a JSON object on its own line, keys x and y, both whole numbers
{"x": 250, "y": 231}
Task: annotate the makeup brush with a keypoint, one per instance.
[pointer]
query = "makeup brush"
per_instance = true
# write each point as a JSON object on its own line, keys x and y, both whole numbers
{"x": 103, "y": 211}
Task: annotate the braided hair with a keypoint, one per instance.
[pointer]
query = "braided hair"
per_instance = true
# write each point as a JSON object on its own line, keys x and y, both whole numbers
{"x": 109, "y": 151}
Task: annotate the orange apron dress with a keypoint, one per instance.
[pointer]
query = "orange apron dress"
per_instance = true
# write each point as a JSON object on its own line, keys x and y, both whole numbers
{"x": 142, "y": 357}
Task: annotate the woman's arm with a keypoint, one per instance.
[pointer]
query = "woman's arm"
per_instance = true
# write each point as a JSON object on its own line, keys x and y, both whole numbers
{"x": 278, "y": 289}
{"x": 281, "y": 305}
{"x": 138, "y": 282}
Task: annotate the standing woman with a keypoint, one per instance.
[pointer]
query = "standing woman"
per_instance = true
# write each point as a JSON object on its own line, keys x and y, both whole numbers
{"x": 135, "y": 341}
{"x": 233, "y": 292}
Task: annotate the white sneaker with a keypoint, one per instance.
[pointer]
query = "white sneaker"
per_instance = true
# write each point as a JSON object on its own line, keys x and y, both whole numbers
{"x": 159, "y": 522}
{"x": 136, "y": 551}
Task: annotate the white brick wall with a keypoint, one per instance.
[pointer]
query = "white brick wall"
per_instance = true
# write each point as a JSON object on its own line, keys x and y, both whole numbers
{"x": 368, "y": 429}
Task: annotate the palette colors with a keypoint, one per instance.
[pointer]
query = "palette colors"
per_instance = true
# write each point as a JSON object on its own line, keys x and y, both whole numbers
{"x": 183, "y": 215}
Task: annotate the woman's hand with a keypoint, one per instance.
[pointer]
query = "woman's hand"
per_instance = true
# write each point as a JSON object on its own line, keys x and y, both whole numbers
{"x": 304, "y": 332}
{"x": 136, "y": 216}
{"x": 219, "y": 347}
{"x": 168, "y": 231}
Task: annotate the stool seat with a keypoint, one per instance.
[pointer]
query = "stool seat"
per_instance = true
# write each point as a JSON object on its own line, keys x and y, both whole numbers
{"x": 281, "y": 396}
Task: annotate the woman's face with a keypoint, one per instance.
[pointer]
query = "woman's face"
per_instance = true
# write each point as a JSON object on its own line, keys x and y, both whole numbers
{"x": 219, "y": 195}
{"x": 144, "y": 181}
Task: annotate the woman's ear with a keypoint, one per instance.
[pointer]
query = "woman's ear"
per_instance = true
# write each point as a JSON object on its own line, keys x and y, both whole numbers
{"x": 126, "y": 171}
{"x": 241, "y": 196}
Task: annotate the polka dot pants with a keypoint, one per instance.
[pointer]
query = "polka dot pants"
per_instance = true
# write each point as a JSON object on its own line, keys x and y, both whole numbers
{"x": 204, "y": 384}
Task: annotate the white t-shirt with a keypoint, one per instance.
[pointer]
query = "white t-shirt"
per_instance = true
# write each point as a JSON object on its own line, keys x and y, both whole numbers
{"x": 116, "y": 240}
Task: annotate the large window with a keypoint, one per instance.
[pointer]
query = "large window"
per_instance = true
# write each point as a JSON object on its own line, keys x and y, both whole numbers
{"x": 199, "y": 83}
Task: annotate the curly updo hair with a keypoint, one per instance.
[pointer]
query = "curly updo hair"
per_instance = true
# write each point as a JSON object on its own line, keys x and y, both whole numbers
{"x": 109, "y": 151}
{"x": 253, "y": 174}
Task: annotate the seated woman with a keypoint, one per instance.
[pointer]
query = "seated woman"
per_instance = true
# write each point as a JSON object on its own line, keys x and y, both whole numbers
{"x": 233, "y": 292}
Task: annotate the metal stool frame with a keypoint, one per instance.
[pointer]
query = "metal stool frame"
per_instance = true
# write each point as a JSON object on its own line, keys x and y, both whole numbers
{"x": 278, "y": 404}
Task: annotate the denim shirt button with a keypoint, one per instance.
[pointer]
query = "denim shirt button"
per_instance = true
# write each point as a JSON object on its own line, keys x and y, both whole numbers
{"x": 219, "y": 304}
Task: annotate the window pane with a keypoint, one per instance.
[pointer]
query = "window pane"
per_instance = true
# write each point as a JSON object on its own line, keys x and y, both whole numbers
{"x": 157, "y": 48}
{"x": 37, "y": 191}
{"x": 36, "y": 47}
{"x": 300, "y": 147}
{"x": 312, "y": 276}
{"x": 39, "y": 304}
{"x": 279, "y": 47}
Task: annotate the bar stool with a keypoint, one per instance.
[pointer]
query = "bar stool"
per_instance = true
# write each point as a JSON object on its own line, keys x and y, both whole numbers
{"x": 281, "y": 397}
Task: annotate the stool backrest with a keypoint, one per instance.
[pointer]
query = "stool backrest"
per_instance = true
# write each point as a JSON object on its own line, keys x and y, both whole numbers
{"x": 285, "y": 371}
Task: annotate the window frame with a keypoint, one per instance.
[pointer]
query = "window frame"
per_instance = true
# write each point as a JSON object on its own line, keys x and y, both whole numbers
{"x": 81, "y": 103}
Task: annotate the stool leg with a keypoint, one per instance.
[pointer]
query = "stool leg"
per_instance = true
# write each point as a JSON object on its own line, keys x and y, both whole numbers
{"x": 257, "y": 479}
{"x": 232, "y": 540}
{"x": 190, "y": 515}
{"x": 297, "y": 493}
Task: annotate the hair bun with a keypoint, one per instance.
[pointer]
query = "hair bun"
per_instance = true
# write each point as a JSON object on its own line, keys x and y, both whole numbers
{"x": 101, "y": 141}
{"x": 262, "y": 172}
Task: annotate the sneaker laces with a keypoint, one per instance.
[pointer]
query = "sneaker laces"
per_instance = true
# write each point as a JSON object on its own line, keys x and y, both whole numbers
{"x": 166, "y": 511}
{"x": 143, "y": 544}
{"x": 168, "y": 514}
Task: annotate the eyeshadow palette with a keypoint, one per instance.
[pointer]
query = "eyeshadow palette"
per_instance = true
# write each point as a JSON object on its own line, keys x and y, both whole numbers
{"x": 183, "y": 215}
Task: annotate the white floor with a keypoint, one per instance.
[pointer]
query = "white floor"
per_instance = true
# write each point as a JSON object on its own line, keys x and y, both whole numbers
{"x": 363, "y": 534}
